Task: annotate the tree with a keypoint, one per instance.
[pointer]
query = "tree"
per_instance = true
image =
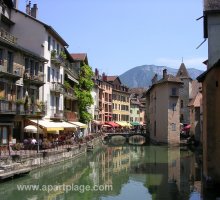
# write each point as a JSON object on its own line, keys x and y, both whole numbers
{"x": 83, "y": 92}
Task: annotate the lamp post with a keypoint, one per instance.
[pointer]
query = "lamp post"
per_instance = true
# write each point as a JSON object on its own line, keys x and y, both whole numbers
{"x": 38, "y": 111}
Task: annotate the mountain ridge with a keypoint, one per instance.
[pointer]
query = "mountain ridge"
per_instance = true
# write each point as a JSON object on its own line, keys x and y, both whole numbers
{"x": 140, "y": 76}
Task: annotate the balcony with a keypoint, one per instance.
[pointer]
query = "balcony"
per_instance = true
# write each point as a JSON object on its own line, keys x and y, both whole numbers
{"x": 30, "y": 110}
{"x": 7, "y": 107}
{"x": 57, "y": 59}
{"x": 7, "y": 36}
{"x": 56, "y": 88}
{"x": 56, "y": 114}
{"x": 71, "y": 116}
{"x": 37, "y": 80}
{"x": 69, "y": 93}
{"x": 14, "y": 74}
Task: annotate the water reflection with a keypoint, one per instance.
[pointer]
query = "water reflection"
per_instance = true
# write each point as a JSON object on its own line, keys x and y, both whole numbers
{"x": 135, "y": 172}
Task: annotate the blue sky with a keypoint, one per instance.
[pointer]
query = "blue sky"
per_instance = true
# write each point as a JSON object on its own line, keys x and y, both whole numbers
{"x": 118, "y": 35}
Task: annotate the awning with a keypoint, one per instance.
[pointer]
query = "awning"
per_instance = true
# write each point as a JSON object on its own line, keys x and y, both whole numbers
{"x": 81, "y": 125}
{"x": 97, "y": 122}
{"x": 52, "y": 126}
{"x": 135, "y": 123}
{"x": 72, "y": 79}
{"x": 123, "y": 123}
{"x": 32, "y": 129}
{"x": 113, "y": 124}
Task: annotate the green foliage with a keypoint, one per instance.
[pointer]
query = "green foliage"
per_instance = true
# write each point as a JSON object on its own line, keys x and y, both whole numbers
{"x": 67, "y": 85}
{"x": 83, "y": 92}
{"x": 63, "y": 55}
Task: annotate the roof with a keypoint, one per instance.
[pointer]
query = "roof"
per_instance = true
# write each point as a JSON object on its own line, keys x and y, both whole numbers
{"x": 195, "y": 88}
{"x": 79, "y": 56}
{"x": 139, "y": 91}
{"x": 82, "y": 57}
{"x": 196, "y": 101}
{"x": 168, "y": 79}
{"x": 111, "y": 78}
{"x": 202, "y": 76}
{"x": 182, "y": 72}
{"x": 47, "y": 27}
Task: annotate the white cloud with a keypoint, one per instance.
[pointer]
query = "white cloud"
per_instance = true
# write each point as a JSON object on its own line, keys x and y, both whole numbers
{"x": 189, "y": 62}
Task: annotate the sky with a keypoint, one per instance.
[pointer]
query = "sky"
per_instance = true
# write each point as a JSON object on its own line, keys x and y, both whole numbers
{"x": 118, "y": 35}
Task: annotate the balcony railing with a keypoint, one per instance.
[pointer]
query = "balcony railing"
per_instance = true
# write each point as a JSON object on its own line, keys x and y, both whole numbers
{"x": 39, "y": 77}
{"x": 56, "y": 87}
{"x": 56, "y": 114}
{"x": 7, "y": 36}
{"x": 17, "y": 72}
{"x": 7, "y": 107}
{"x": 71, "y": 116}
{"x": 70, "y": 93}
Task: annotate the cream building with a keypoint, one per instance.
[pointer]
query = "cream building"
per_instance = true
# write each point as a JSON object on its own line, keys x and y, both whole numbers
{"x": 163, "y": 109}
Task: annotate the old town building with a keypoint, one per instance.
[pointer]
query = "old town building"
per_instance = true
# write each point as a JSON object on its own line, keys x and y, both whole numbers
{"x": 163, "y": 109}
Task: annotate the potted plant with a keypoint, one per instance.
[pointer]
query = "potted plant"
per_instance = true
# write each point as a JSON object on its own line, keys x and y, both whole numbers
{"x": 66, "y": 85}
{"x": 53, "y": 53}
{"x": 63, "y": 55}
{"x": 2, "y": 98}
{"x": 19, "y": 101}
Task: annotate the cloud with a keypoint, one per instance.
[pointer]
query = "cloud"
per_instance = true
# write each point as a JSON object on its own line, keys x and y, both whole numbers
{"x": 189, "y": 62}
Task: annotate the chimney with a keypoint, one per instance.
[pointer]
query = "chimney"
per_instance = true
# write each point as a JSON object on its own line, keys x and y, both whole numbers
{"x": 15, "y": 2}
{"x": 154, "y": 79}
{"x": 28, "y": 8}
{"x": 164, "y": 73}
{"x": 104, "y": 77}
{"x": 34, "y": 10}
{"x": 96, "y": 72}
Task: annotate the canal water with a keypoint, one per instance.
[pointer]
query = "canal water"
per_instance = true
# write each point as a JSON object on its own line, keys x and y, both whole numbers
{"x": 125, "y": 172}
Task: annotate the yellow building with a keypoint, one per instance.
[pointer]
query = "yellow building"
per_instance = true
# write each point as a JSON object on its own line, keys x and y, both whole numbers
{"x": 120, "y": 100}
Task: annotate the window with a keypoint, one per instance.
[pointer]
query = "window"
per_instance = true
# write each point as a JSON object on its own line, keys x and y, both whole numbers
{"x": 10, "y": 62}
{"x": 26, "y": 63}
{"x": 57, "y": 76}
{"x": 173, "y": 127}
{"x": 53, "y": 44}
{"x": 49, "y": 42}
{"x": 181, "y": 104}
{"x": 58, "y": 49}
{"x": 138, "y": 112}
{"x": 1, "y": 56}
{"x": 32, "y": 67}
{"x": 131, "y": 111}
{"x": 174, "y": 107}
{"x": 48, "y": 74}
{"x": 174, "y": 92}
{"x": 53, "y": 74}
{"x": 181, "y": 118}
{"x": 36, "y": 68}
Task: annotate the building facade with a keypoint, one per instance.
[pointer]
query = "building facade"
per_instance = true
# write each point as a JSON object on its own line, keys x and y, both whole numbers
{"x": 163, "y": 109}
{"x": 120, "y": 100}
{"x": 184, "y": 93}
{"x": 211, "y": 94}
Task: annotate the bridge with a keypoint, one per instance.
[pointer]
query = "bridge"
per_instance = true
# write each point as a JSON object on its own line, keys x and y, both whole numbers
{"x": 126, "y": 135}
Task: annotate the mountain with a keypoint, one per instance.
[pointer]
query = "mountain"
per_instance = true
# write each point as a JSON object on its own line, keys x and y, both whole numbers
{"x": 141, "y": 76}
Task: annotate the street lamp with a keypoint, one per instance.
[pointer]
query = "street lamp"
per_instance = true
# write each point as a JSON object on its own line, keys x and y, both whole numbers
{"x": 38, "y": 111}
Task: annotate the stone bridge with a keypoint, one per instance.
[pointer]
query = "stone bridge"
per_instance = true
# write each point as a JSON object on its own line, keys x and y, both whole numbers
{"x": 108, "y": 136}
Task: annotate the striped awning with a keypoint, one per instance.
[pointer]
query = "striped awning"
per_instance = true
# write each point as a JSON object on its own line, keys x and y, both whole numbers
{"x": 51, "y": 126}
{"x": 79, "y": 124}
{"x": 135, "y": 123}
{"x": 123, "y": 123}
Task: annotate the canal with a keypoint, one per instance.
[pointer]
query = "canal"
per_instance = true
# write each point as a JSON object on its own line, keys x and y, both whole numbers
{"x": 113, "y": 173}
